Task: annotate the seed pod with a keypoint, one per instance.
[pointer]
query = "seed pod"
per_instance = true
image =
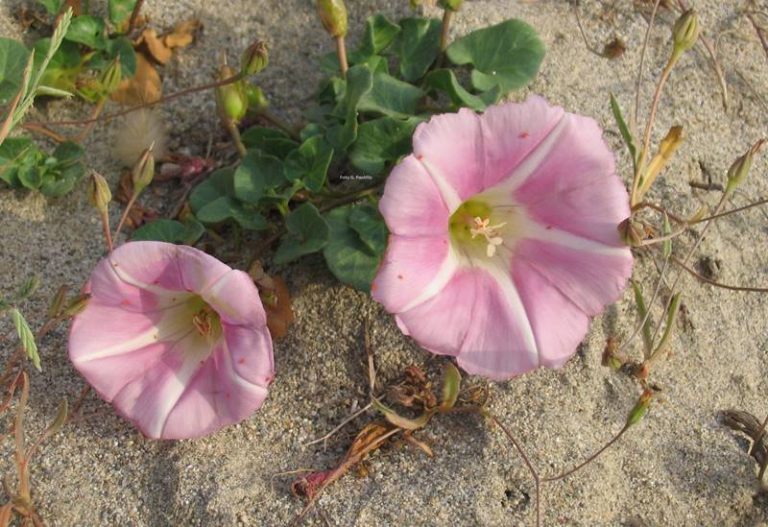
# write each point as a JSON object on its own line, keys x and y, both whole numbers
{"x": 333, "y": 15}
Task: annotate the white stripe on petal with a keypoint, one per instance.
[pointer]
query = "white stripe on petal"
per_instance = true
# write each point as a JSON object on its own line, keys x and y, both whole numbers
{"x": 509, "y": 290}
{"x": 176, "y": 323}
{"x": 536, "y": 231}
{"x": 193, "y": 349}
{"x": 447, "y": 269}
{"x": 533, "y": 160}
{"x": 152, "y": 288}
{"x": 236, "y": 377}
{"x": 447, "y": 192}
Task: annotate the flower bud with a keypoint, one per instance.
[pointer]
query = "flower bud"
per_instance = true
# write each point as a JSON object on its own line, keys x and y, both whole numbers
{"x": 256, "y": 98}
{"x": 255, "y": 58}
{"x": 112, "y": 76}
{"x": 451, "y": 5}
{"x": 740, "y": 168}
{"x": 641, "y": 408}
{"x": 230, "y": 98}
{"x": 631, "y": 232}
{"x": 143, "y": 171}
{"x": 98, "y": 192}
{"x": 333, "y": 15}
{"x": 685, "y": 32}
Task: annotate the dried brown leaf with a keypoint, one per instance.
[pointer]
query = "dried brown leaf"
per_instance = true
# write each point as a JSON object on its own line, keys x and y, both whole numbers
{"x": 182, "y": 34}
{"x": 145, "y": 86}
{"x": 155, "y": 46}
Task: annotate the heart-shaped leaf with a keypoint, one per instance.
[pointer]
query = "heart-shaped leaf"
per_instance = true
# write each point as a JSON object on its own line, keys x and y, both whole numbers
{"x": 507, "y": 55}
{"x": 381, "y": 141}
{"x": 307, "y": 233}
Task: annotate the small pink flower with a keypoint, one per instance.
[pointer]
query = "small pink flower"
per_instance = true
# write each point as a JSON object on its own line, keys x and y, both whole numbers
{"x": 504, "y": 239}
{"x": 176, "y": 340}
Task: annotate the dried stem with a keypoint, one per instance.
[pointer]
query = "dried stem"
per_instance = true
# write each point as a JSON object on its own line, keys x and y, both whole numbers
{"x": 642, "y": 61}
{"x": 583, "y": 33}
{"x": 341, "y": 51}
{"x": 718, "y": 284}
{"x": 445, "y": 31}
{"x": 346, "y": 421}
{"x": 124, "y": 217}
{"x": 534, "y": 474}
{"x": 591, "y": 458}
{"x": 107, "y": 231}
{"x": 182, "y": 93}
{"x": 135, "y": 15}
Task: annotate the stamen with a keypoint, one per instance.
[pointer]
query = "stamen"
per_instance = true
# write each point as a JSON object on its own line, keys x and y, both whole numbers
{"x": 489, "y": 232}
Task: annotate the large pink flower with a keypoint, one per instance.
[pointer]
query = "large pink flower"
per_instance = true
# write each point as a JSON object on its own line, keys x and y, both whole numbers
{"x": 176, "y": 340}
{"x": 504, "y": 236}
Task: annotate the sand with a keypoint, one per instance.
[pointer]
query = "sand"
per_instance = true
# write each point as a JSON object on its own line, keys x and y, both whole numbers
{"x": 679, "y": 467}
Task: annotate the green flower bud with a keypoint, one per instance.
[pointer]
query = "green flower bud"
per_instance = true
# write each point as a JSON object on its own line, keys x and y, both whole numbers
{"x": 255, "y": 58}
{"x": 143, "y": 171}
{"x": 333, "y": 15}
{"x": 741, "y": 167}
{"x": 98, "y": 192}
{"x": 230, "y": 98}
{"x": 641, "y": 408}
{"x": 685, "y": 32}
{"x": 112, "y": 76}
{"x": 451, "y": 5}
{"x": 256, "y": 98}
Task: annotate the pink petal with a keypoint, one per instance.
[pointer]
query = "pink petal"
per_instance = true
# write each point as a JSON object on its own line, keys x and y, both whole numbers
{"x": 250, "y": 354}
{"x": 412, "y": 204}
{"x": 137, "y": 274}
{"x": 589, "y": 279}
{"x": 451, "y": 148}
{"x": 219, "y": 395}
{"x": 558, "y": 324}
{"x": 478, "y": 317}
{"x": 236, "y": 300}
{"x": 575, "y": 187}
{"x": 408, "y": 268}
{"x": 511, "y": 132}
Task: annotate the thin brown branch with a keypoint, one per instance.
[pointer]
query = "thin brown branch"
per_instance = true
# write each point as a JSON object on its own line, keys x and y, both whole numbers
{"x": 718, "y": 284}
{"x": 760, "y": 33}
{"x": 591, "y": 458}
{"x": 170, "y": 97}
{"x": 534, "y": 474}
{"x": 135, "y": 15}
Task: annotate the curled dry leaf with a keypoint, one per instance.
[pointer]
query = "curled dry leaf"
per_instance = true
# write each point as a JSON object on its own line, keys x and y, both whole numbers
{"x": 145, "y": 86}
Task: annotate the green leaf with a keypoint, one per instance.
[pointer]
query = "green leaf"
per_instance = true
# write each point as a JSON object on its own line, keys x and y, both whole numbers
{"x": 307, "y": 233}
{"x": 64, "y": 67}
{"x": 359, "y": 82}
{"x": 381, "y": 141}
{"x": 66, "y": 169}
{"x": 26, "y": 337}
{"x": 624, "y": 130}
{"x": 369, "y": 225}
{"x": 13, "y": 152}
{"x": 309, "y": 163}
{"x": 417, "y": 46}
{"x": 88, "y": 30}
{"x": 445, "y": 81}
{"x": 212, "y": 200}
{"x": 379, "y": 33}
{"x": 120, "y": 10}
{"x": 451, "y": 385}
{"x": 507, "y": 55}
{"x": 121, "y": 47}
{"x": 392, "y": 97}
{"x": 256, "y": 173}
{"x": 52, "y": 6}
{"x": 171, "y": 231}
{"x": 348, "y": 257}
{"x": 13, "y": 58}
{"x": 268, "y": 140}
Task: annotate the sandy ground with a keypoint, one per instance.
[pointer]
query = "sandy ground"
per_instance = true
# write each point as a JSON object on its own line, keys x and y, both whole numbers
{"x": 680, "y": 467}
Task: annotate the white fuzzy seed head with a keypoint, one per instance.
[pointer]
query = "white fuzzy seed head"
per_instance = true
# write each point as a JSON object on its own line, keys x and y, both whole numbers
{"x": 136, "y": 133}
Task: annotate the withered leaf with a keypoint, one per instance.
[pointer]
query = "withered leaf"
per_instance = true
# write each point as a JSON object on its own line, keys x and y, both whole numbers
{"x": 145, "y": 86}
